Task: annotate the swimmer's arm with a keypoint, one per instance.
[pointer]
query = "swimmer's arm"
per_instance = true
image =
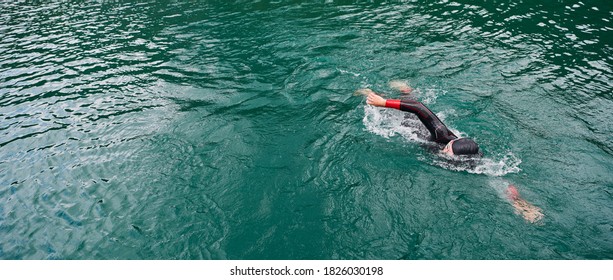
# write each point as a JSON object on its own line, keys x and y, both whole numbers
{"x": 376, "y": 100}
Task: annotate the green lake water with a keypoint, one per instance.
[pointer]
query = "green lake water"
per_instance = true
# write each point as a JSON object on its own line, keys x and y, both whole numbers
{"x": 229, "y": 129}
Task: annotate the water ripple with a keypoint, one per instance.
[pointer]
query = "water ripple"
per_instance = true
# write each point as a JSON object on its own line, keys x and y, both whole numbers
{"x": 231, "y": 125}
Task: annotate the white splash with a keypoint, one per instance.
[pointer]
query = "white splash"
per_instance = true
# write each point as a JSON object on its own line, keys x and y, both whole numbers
{"x": 387, "y": 123}
{"x": 348, "y": 72}
{"x": 493, "y": 166}
{"x": 429, "y": 95}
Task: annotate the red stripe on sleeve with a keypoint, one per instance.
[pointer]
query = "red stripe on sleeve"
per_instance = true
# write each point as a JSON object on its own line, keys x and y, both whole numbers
{"x": 393, "y": 103}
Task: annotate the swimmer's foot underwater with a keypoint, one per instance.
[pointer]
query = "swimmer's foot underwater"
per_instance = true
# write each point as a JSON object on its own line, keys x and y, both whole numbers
{"x": 530, "y": 212}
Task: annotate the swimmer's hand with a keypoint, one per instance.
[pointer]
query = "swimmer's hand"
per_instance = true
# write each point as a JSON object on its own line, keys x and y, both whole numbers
{"x": 375, "y": 100}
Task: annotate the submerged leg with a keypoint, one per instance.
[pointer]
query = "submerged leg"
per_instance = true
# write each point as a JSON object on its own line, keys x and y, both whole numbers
{"x": 530, "y": 212}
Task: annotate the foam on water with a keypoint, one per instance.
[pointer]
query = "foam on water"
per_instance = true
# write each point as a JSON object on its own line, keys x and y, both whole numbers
{"x": 388, "y": 123}
{"x": 497, "y": 165}
{"x": 429, "y": 95}
{"x": 348, "y": 72}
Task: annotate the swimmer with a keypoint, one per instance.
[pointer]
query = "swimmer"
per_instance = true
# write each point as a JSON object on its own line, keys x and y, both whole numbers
{"x": 439, "y": 132}
{"x": 442, "y": 135}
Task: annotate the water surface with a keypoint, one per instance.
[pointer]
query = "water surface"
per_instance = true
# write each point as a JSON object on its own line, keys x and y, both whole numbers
{"x": 206, "y": 130}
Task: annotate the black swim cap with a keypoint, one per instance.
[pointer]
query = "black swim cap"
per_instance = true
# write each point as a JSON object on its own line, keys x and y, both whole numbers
{"x": 464, "y": 146}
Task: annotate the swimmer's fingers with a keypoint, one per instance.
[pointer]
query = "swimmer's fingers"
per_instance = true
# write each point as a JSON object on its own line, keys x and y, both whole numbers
{"x": 369, "y": 99}
{"x": 376, "y": 100}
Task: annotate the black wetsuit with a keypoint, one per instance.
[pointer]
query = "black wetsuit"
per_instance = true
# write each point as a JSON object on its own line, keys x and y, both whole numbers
{"x": 439, "y": 132}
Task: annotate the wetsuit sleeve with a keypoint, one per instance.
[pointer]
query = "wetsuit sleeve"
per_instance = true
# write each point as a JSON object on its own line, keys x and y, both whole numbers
{"x": 439, "y": 131}
{"x": 410, "y": 106}
{"x": 393, "y": 103}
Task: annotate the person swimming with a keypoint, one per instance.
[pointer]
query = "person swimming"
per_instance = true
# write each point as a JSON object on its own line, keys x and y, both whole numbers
{"x": 454, "y": 145}
{"x": 438, "y": 130}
